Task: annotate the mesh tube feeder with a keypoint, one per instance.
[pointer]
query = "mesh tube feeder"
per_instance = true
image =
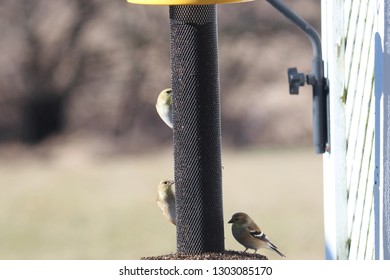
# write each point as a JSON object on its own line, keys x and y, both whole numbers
{"x": 196, "y": 123}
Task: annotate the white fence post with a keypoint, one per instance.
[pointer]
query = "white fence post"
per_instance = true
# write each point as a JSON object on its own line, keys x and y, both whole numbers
{"x": 356, "y": 49}
{"x": 348, "y": 31}
{"x": 335, "y": 192}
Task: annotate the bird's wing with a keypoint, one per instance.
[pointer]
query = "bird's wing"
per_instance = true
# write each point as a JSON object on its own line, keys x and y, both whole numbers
{"x": 259, "y": 235}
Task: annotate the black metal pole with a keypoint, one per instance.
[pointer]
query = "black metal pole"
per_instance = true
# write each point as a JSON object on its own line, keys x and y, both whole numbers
{"x": 320, "y": 125}
{"x": 196, "y": 129}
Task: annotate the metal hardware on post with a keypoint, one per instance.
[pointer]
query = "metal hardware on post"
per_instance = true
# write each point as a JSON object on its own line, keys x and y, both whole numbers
{"x": 316, "y": 79}
{"x": 295, "y": 80}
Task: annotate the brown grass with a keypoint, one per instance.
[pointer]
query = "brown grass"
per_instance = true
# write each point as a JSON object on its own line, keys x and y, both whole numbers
{"x": 71, "y": 205}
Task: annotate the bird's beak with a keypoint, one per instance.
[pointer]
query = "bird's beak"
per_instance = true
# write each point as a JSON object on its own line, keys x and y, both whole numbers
{"x": 231, "y": 221}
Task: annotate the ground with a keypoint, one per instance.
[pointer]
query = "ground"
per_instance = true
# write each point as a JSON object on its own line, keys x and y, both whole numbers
{"x": 72, "y": 202}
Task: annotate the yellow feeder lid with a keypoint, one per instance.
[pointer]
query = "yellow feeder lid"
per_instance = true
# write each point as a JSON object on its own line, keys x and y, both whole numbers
{"x": 184, "y": 2}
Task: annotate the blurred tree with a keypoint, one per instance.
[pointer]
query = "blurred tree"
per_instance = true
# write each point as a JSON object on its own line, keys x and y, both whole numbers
{"x": 97, "y": 66}
{"x": 43, "y": 108}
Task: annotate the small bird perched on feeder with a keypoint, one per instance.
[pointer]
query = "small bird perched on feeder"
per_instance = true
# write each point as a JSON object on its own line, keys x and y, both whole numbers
{"x": 164, "y": 106}
{"x": 248, "y": 234}
{"x": 166, "y": 200}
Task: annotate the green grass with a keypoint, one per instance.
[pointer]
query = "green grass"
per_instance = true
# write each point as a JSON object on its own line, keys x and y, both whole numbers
{"x": 73, "y": 206}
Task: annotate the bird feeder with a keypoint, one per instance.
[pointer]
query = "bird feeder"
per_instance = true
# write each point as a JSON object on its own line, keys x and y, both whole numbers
{"x": 197, "y": 122}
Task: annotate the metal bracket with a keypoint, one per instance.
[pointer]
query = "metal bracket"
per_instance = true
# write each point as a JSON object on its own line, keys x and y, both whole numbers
{"x": 316, "y": 79}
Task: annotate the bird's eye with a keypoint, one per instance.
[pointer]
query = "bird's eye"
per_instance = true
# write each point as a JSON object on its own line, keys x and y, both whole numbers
{"x": 165, "y": 182}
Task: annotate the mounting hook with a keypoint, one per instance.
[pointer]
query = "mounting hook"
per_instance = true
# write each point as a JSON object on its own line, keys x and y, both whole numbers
{"x": 316, "y": 79}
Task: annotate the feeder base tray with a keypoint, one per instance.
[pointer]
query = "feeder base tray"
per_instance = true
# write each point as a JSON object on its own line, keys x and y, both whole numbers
{"x": 226, "y": 255}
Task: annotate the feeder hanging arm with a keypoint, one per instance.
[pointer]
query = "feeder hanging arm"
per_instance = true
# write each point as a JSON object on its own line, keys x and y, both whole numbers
{"x": 316, "y": 79}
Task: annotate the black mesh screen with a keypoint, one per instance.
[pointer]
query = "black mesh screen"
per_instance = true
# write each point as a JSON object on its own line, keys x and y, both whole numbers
{"x": 196, "y": 129}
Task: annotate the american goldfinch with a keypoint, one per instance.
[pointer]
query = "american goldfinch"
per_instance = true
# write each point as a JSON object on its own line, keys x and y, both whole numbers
{"x": 166, "y": 200}
{"x": 248, "y": 234}
{"x": 164, "y": 106}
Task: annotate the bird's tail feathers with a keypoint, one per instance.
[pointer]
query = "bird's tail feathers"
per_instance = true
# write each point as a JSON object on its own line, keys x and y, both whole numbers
{"x": 274, "y": 248}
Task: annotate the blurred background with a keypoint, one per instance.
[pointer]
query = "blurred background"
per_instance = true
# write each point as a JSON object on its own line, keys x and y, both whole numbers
{"x": 82, "y": 148}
